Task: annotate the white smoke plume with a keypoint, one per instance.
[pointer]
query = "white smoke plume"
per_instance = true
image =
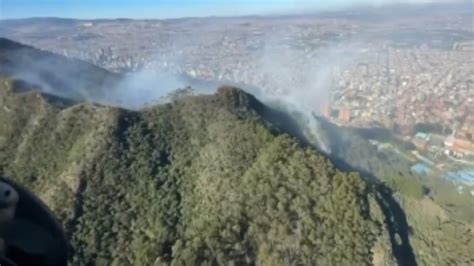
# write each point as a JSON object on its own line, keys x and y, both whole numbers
{"x": 304, "y": 80}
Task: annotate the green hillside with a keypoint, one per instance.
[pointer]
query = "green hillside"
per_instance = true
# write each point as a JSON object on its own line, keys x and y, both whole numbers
{"x": 206, "y": 179}
{"x": 200, "y": 180}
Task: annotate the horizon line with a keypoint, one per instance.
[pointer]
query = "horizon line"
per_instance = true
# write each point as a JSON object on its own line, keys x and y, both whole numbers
{"x": 357, "y": 7}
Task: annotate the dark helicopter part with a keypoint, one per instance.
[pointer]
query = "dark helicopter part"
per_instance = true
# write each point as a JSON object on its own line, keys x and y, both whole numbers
{"x": 29, "y": 232}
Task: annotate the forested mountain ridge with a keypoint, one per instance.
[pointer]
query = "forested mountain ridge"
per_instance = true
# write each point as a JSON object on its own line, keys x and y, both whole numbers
{"x": 203, "y": 179}
{"x": 208, "y": 179}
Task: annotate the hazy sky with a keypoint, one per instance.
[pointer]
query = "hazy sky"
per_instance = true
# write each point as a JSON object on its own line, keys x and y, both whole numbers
{"x": 171, "y": 8}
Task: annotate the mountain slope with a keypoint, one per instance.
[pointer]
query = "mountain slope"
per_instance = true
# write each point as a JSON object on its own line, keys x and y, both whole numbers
{"x": 208, "y": 179}
{"x": 199, "y": 180}
{"x": 69, "y": 78}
